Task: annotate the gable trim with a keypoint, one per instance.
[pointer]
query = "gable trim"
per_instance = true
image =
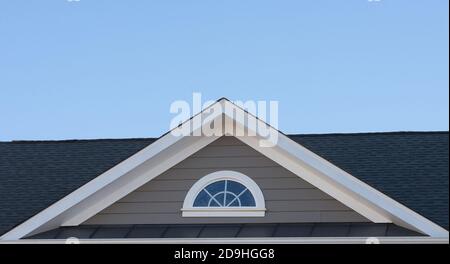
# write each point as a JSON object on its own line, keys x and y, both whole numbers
{"x": 107, "y": 186}
{"x": 115, "y": 183}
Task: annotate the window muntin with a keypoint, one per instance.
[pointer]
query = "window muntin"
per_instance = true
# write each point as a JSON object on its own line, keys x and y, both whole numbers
{"x": 225, "y": 193}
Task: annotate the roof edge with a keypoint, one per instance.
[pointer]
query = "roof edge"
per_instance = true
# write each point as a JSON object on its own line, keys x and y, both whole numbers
{"x": 289, "y": 135}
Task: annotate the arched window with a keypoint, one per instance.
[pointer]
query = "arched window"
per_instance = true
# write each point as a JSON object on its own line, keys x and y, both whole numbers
{"x": 224, "y": 194}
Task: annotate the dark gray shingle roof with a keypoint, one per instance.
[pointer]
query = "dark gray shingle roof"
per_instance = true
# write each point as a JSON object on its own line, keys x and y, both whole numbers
{"x": 227, "y": 230}
{"x": 411, "y": 167}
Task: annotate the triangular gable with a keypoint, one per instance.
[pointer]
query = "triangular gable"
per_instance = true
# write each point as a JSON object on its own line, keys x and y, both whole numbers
{"x": 288, "y": 198}
{"x": 169, "y": 150}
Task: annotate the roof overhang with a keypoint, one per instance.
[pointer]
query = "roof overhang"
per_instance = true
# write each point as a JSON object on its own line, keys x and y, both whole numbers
{"x": 170, "y": 149}
{"x": 234, "y": 241}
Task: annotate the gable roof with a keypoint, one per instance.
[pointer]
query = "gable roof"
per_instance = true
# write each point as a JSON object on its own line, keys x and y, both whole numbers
{"x": 226, "y": 119}
{"x": 411, "y": 167}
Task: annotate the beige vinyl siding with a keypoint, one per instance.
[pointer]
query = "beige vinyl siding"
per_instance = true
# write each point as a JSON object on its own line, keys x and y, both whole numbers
{"x": 288, "y": 197}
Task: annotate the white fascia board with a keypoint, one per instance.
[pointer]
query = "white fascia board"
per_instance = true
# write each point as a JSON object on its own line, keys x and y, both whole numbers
{"x": 134, "y": 180}
{"x": 62, "y": 212}
{"x": 48, "y": 214}
{"x": 313, "y": 177}
{"x": 379, "y": 202}
{"x": 346, "y": 188}
{"x": 368, "y": 201}
{"x": 242, "y": 240}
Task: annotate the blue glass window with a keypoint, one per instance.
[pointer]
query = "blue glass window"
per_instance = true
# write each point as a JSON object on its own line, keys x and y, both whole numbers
{"x": 224, "y": 193}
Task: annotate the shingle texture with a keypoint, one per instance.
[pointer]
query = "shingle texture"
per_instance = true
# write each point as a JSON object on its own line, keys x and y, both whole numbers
{"x": 411, "y": 167}
{"x": 227, "y": 230}
{"x": 34, "y": 175}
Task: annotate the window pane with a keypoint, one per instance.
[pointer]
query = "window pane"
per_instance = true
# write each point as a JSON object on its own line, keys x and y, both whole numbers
{"x": 235, "y": 203}
{"x": 235, "y": 187}
{"x": 219, "y": 197}
{"x": 213, "y": 203}
{"x": 231, "y": 198}
{"x": 202, "y": 199}
{"x": 215, "y": 187}
{"x": 247, "y": 199}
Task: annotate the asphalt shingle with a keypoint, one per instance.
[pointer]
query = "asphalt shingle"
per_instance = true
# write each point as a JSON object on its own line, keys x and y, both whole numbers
{"x": 410, "y": 167}
{"x": 226, "y": 230}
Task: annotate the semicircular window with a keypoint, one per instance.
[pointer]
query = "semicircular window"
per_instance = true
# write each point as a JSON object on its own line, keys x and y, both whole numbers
{"x": 225, "y": 193}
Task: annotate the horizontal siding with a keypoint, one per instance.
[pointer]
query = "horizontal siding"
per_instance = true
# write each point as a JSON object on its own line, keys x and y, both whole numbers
{"x": 271, "y": 217}
{"x": 309, "y": 205}
{"x": 256, "y": 172}
{"x": 288, "y": 197}
{"x": 215, "y": 162}
{"x": 227, "y": 141}
{"x": 226, "y": 151}
{"x": 272, "y": 206}
{"x": 266, "y": 184}
{"x": 273, "y": 195}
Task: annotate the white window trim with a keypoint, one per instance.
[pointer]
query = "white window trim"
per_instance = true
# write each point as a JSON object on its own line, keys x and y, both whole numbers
{"x": 258, "y": 210}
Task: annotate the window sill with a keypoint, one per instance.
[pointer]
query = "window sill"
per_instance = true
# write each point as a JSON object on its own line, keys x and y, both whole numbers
{"x": 223, "y": 212}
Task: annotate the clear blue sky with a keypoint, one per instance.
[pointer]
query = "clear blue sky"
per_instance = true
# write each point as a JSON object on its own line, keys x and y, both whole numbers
{"x": 110, "y": 69}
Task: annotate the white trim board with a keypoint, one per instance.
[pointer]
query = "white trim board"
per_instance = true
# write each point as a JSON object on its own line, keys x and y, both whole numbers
{"x": 167, "y": 151}
{"x": 242, "y": 240}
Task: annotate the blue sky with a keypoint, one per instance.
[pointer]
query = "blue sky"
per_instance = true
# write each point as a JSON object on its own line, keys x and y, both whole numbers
{"x": 111, "y": 68}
